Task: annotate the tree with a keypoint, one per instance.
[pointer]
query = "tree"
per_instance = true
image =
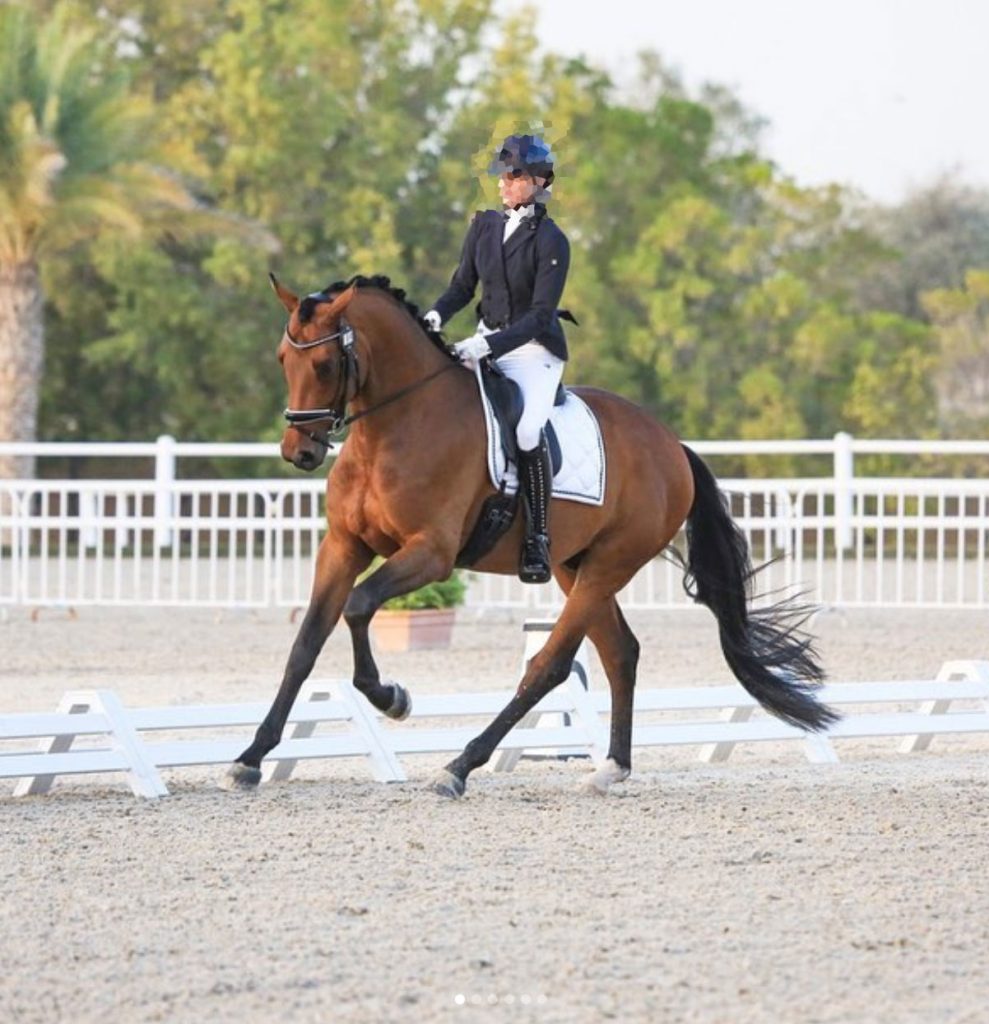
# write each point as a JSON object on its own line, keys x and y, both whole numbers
{"x": 710, "y": 288}
{"x": 961, "y": 321}
{"x": 336, "y": 138}
{"x": 76, "y": 160}
{"x": 933, "y": 237}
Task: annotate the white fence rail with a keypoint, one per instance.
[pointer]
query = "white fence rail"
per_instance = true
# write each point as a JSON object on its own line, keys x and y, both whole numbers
{"x": 169, "y": 541}
{"x": 125, "y": 744}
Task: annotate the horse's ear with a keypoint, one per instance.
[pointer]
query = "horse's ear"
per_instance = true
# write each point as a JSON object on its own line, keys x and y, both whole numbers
{"x": 287, "y": 299}
{"x": 341, "y": 302}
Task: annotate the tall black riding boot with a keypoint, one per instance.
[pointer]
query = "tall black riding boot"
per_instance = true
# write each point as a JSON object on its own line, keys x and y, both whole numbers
{"x": 535, "y": 487}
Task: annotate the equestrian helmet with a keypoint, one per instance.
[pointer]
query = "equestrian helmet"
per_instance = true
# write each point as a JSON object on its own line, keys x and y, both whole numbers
{"x": 524, "y": 154}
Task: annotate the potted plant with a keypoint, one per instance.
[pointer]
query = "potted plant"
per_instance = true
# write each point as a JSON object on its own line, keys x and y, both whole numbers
{"x": 422, "y": 620}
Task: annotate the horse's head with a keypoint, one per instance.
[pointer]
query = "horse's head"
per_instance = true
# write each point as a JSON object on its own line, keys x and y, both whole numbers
{"x": 319, "y": 362}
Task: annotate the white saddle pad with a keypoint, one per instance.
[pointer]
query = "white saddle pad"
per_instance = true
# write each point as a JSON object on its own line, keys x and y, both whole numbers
{"x": 582, "y": 472}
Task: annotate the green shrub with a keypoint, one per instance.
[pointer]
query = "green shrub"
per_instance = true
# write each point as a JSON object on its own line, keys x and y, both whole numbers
{"x": 446, "y": 593}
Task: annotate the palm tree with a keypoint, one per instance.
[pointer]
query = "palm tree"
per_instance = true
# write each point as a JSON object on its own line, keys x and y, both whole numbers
{"x": 76, "y": 160}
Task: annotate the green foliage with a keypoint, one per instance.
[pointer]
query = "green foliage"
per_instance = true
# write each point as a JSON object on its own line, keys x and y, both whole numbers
{"x": 932, "y": 239}
{"x": 446, "y": 593}
{"x": 76, "y": 141}
{"x": 322, "y": 142}
{"x": 961, "y": 328}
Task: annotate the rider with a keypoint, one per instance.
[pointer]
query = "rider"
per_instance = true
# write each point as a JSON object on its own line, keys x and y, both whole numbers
{"x": 521, "y": 257}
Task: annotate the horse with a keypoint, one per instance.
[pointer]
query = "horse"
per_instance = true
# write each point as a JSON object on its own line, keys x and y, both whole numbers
{"x": 410, "y": 482}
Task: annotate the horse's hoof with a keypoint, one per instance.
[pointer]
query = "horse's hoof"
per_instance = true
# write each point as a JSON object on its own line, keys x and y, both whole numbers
{"x": 449, "y": 785}
{"x": 401, "y": 703}
{"x": 602, "y": 779}
{"x": 240, "y": 777}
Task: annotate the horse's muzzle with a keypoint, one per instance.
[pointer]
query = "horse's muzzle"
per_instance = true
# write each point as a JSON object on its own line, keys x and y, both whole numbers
{"x": 303, "y": 452}
{"x": 306, "y": 460}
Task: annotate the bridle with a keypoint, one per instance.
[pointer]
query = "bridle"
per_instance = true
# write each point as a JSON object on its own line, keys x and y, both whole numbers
{"x": 335, "y": 413}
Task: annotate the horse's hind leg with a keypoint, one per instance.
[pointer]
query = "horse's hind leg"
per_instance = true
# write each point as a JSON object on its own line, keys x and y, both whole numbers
{"x": 550, "y": 667}
{"x": 619, "y": 652}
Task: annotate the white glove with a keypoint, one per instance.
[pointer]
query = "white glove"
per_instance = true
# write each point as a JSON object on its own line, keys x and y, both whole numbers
{"x": 471, "y": 349}
{"x": 433, "y": 319}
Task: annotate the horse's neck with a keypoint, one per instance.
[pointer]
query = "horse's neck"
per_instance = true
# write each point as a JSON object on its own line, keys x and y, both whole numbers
{"x": 399, "y": 356}
{"x": 395, "y": 353}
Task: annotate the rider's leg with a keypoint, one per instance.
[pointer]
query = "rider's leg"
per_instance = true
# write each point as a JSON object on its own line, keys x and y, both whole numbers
{"x": 538, "y": 373}
{"x": 535, "y": 484}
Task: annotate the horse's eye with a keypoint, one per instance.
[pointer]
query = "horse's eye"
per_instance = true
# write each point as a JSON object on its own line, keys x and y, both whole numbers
{"x": 324, "y": 368}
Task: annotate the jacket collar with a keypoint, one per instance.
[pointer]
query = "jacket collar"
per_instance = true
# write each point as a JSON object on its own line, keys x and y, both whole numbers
{"x": 525, "y": 231}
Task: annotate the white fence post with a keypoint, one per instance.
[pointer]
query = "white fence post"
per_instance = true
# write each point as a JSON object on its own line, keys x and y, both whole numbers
{"x": 844, "y": 474}
{"x": 164, "y": 497}
{"x": 87, "y": 519}
{"x": 52, "y": 745}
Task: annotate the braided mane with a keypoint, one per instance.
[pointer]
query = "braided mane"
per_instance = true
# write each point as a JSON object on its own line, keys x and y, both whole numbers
{"x": 382, "y": 283}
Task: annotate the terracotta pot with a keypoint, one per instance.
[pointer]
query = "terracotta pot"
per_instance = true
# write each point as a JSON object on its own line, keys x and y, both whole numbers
{"x": 425, "y": 629}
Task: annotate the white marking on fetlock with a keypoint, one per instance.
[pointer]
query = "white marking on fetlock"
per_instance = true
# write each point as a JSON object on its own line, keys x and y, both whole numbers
{"x": 602, "y": 778}
{"x": 446, "y": 784}
{"x": 240, "y": 778}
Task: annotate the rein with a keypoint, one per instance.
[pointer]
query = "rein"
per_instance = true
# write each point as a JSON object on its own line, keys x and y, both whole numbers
{"x": 335, "y": 413}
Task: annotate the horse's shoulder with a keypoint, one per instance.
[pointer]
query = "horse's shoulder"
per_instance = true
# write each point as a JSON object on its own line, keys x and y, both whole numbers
{"x": 345, "y": 497}
{"x": 346, "y": 473}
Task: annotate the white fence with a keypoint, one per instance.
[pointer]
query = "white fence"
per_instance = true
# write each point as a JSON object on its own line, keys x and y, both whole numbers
{"x": 850, "y": 540}
{"x": 140, "y": 741}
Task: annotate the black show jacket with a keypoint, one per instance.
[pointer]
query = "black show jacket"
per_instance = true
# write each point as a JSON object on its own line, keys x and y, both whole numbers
{"x": 521, "y": 280}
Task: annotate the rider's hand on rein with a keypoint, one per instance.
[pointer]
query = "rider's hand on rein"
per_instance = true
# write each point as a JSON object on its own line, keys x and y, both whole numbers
{"x": 471, "y": 349}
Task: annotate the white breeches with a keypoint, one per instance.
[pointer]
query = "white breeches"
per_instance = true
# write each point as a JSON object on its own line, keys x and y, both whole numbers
{"x": 538, "y": 373}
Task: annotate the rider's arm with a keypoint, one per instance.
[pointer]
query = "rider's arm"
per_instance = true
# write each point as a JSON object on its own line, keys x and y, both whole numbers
{"x": 552, "y": 262}
{"x": 463, "y": 284}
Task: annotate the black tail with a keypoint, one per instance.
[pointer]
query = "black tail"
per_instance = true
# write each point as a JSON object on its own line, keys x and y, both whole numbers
{"x": 765, "y": 648}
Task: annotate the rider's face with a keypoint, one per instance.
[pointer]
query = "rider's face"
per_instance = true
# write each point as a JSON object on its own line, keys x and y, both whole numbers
{"x": 518, "y": 191}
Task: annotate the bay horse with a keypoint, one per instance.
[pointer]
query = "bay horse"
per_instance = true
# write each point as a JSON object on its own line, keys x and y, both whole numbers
{"x": 410, "y": 482}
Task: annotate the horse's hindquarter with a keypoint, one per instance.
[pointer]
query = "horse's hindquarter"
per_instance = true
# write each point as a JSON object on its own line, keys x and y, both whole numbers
{"x": 650, "y": 486}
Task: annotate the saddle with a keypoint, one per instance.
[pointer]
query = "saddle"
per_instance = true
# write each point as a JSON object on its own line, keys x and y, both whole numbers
{"x": 499, "y": 510}
{"x": 506, "y": 401}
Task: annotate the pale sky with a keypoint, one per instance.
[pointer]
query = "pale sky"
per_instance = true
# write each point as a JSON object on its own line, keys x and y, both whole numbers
{"x": 879, "y": 94}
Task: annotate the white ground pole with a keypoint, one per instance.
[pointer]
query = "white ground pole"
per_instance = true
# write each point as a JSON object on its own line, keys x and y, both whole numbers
{"x": 382, "y": 759}
{"x": 99, "y": 712}
{"x": 951, "y": 671}
{"x": 129, "y": 745}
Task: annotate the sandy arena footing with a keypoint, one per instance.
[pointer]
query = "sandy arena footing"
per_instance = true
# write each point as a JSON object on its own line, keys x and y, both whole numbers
{"x": 764, "y": 889}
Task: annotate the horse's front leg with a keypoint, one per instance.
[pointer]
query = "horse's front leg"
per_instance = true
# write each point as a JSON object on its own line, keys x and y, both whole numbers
{"x": 408, "y": 569}
{"x": 339, "y": 561}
